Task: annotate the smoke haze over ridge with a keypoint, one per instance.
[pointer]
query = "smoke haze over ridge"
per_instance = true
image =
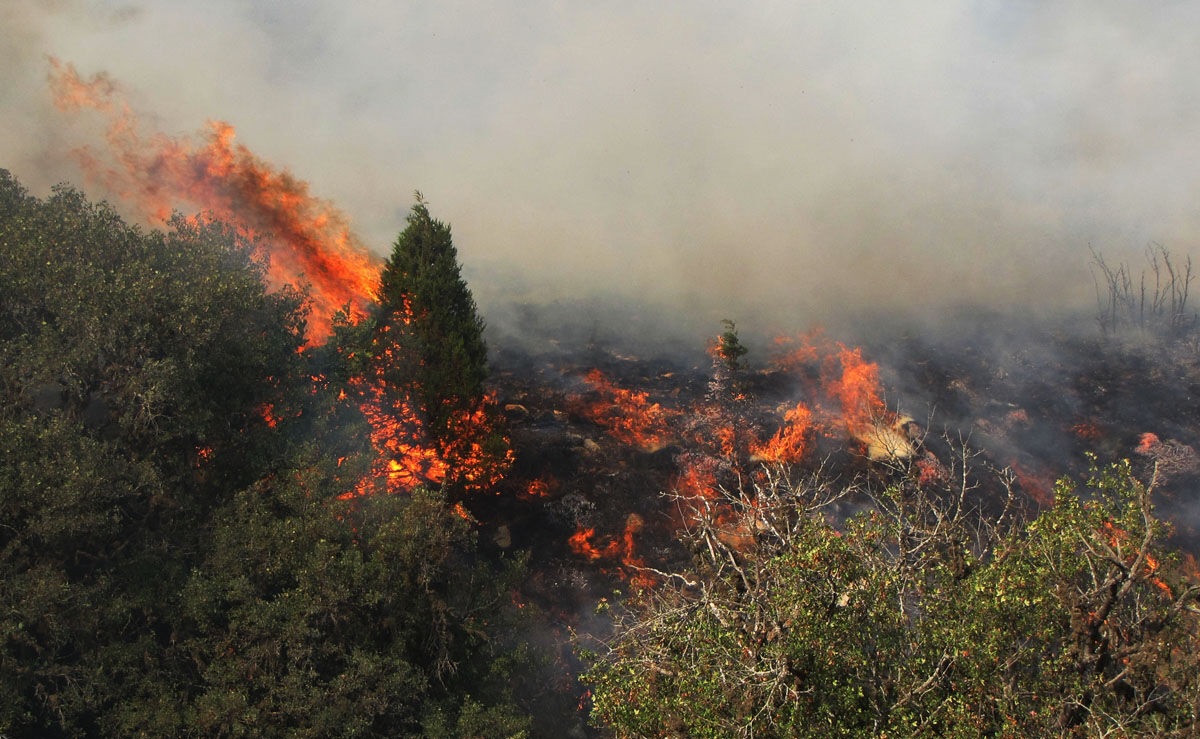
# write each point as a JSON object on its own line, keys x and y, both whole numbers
{"x": 778, "y": 163}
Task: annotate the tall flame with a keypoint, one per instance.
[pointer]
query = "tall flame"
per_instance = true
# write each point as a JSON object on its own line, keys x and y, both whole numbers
{"x": 849, "y": 399}
{"x": 302, "y": 239}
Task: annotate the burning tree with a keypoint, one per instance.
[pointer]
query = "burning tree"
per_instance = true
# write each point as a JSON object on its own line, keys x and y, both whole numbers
{"x": 727, "y": 352}
{"x": 426, "y": 316}
{"x": 420, "y": 360}
{"x": 173, "y": 557}
{"x": 923, "y": 615}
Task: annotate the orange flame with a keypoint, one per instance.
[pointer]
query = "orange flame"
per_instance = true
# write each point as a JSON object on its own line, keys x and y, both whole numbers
{"x": 302, "y": 240}
{"x": 628, "y": 415}
{"x": 623, "y": 549}
{"x": 1117, "y": 537}
{"x": 792, "y": 441}
{"x": 847, "y": 393}
{"x": 543, "y": 487}
{"x": 267, "y": 411}
{"x": 856, "y": 388}
{"x": 401, "y": 462}
{"x": 1147, "y": 442}
{"x": 697, "y": 480}
{"x": 1038, "y": 485}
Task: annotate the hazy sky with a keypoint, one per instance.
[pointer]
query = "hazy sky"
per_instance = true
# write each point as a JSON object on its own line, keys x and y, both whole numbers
{"x": 773, "y": 162}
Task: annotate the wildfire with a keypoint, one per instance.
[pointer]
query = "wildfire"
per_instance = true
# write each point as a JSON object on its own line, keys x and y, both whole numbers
{"x": 792, "y": 441}
{"x": 269, "y": 417}
{"x": 401, "y": 463}
{"x": 854, "y": 383}
{"x": 301, "y": 239}
{"x": 628, "y": 415}
{"x": 623, "y": 549}
{"x": 542, "y": 487}
{"x": 1039, "y": 485}
{"x": 698, "y": 478}
{"x": 848, "y": 398}
{"x": 1117, "y": 537}
{"x": 406, "y": 457}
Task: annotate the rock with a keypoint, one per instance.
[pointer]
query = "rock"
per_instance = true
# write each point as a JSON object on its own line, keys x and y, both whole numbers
{"x": 516, "y": 412}
{"x": 503, "y": 537}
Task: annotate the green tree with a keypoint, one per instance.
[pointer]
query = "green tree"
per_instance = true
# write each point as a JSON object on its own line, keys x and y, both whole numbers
{"x": 426, "y": 319}
{"x": 423, "y": 345}
{"x": 174, "y": 558}
{"x": 727, "y": 385}
{"x": 921, "y": 616}
{"x": 135, "y": 368}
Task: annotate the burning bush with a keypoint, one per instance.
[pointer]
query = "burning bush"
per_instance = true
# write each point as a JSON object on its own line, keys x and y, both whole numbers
{"x": 173, "y": 560}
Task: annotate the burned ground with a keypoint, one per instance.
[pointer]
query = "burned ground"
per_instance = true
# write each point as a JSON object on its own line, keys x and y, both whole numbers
{"x": 588, "y": 502}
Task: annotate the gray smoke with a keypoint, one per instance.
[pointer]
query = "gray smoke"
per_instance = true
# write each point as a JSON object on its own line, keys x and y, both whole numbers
{"x": 777, "y": 163}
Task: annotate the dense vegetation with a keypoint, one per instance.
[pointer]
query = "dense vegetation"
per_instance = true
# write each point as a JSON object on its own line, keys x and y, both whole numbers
{"x": 177, "y": 556}
{"x": 921, "y": 614}
{"x": 174, "y": 558}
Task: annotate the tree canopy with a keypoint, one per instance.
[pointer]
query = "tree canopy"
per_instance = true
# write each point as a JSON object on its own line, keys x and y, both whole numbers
{"x": 174, "y": 556}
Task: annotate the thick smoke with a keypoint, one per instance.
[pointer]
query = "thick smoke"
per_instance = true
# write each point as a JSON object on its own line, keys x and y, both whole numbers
{"x": 778, "y": 163}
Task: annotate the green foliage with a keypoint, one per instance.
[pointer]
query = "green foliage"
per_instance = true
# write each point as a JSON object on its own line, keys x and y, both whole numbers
{"x": 426, "y": 319}
{"x": 174, "y": 558}
{"x": 729, "y": 346}
{"x": 133, "y": 367}
{"x": 920, "y": 616}
{"x": 424, "y": 345}
{"x": 727, "y": 385}
{"x": 309, "y": 627}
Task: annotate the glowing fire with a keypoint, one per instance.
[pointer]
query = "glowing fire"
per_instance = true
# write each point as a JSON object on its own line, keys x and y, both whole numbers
{"x": 628, "y": 415}
{"x": 847, "y": 396}
{"x": 1117, "y": 537}
{"x": 622, "y": 549}
{"x": 542, "y": 487}
{"x": 301, "y": 239}
{"x": 406, "y": 456}
{"x": 1038, "y": 485}
{"x": 401, "y": 463}
{"x": 793, "y": 440}
{"x": 854, "y": 383}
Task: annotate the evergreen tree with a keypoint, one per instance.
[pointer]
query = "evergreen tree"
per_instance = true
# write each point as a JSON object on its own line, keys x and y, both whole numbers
{"x": 423, "y": 346}
{"x": 174, "y": 556}
{"x": 726, "y": 385}
{"x": 427, "y": 325}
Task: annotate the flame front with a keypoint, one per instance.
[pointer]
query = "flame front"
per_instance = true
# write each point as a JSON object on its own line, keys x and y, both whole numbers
{"x": 622, "y": 549}
{"x": 302, "y": 240}
{"x": 627, "y": 415}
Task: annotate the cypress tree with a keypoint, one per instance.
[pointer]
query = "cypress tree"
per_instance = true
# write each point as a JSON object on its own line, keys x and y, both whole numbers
{"x": 426, "y": 328}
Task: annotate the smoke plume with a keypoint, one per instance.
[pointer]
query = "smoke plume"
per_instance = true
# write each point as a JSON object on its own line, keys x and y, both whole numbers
{"x": 778, "y": 163}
